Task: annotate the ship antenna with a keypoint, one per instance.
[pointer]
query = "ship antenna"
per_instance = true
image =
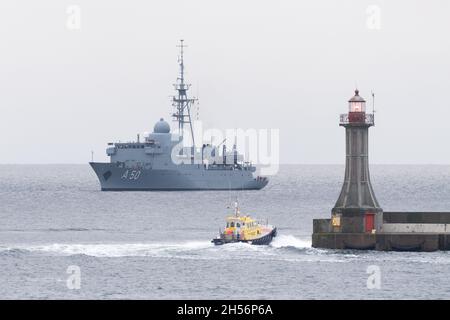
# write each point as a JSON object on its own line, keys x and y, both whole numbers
{"x": 181, "y": 102}
{"x": 198, "y": 103}
{"x": 198, "y": 111}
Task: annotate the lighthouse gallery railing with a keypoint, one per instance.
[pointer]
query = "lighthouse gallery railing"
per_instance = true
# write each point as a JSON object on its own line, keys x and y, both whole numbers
{"x": 347, "y": 118}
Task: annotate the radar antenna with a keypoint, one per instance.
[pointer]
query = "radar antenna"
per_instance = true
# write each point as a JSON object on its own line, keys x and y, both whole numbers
{"x": 181, "y": 102}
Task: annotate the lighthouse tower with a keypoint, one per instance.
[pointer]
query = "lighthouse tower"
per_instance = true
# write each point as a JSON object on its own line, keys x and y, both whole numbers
{"x": 357, "y": 209}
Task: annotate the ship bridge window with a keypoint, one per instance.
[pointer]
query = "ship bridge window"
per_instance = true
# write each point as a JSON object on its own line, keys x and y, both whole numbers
{"x": 238, "y": 225}
{"x": 232, "y": 224}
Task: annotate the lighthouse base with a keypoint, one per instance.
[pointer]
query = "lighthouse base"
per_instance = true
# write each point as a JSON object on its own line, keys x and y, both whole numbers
{"x": 399, "y": 231}
{"x": 382, "y": 241}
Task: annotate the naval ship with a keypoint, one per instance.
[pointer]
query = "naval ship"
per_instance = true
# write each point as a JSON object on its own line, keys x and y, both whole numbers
{"x": 162, "y": 162}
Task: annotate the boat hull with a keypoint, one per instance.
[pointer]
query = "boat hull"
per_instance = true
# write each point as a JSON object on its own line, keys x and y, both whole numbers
{"x": 264, "y": 240}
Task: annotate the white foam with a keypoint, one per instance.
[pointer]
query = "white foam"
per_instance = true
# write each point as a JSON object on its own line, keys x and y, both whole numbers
{"x": 197, "y": 250}
{"x": 161, "y": 249}
{"x": 118, "y": 249}
{"x": 282, "y": 241}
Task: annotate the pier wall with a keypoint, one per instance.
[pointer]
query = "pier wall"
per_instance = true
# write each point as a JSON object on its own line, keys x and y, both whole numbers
{"x": 400, "y": 231}
{"x": 382, "y": 241}
{"x": 416, "y": 217}
{"x": 415, "y": 228}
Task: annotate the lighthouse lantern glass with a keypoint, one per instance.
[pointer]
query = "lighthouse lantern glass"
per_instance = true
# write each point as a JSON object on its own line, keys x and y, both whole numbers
{"x": 357, "y": 106}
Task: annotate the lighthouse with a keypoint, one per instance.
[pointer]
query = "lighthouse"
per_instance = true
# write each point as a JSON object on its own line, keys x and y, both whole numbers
{"x": 357, "y": 220}
{"x": 356, "y": 217}
{"x": 357, "y": 205}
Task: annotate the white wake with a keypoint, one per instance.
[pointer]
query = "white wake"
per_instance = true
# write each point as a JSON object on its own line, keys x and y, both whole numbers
{"x": 186, "y": 249}
{"x": 283, "y": 241}
{"x": 117, "y": 249}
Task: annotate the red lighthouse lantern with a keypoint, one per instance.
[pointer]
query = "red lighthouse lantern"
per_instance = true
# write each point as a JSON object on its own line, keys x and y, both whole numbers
{"x": 356, "y": 108}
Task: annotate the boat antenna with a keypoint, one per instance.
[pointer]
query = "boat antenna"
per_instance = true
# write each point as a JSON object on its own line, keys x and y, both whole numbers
{"x": 236, "y": 207}
{"x": 180, "y": 101}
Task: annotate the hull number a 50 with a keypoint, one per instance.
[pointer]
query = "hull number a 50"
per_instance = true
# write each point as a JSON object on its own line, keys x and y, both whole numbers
{"x": 131, "y": 175}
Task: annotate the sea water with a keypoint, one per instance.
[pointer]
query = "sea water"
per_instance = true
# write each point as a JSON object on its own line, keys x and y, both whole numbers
{"x": 156, "y": 245}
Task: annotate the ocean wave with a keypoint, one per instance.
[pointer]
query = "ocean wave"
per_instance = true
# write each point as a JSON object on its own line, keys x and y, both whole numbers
{"x": 12, "y": 252}
{"x": 289, "y": 241}
{"x": 113, "y": 249}
{"x": 282, "y": 248}
{"x": 54, "y": 230}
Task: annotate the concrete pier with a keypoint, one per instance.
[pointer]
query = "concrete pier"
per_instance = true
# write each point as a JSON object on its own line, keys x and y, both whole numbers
{"x": 400, "y": 236}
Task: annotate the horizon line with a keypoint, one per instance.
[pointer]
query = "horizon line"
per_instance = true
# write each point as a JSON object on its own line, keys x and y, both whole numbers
{"x": 281, "y": 164}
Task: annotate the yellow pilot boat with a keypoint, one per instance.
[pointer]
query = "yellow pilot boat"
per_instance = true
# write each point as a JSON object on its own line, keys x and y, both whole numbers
{"x": 243, "y": 228}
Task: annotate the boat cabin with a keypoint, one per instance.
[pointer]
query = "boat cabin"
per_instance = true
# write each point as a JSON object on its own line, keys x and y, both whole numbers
{"x": 241, "y": 228}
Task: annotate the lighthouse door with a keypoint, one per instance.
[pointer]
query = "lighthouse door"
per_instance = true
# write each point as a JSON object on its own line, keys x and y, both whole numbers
{"x": 370, "y": 222}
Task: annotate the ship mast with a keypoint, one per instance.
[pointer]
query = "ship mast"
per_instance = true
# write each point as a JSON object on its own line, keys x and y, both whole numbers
{"x": 181, "y": 102}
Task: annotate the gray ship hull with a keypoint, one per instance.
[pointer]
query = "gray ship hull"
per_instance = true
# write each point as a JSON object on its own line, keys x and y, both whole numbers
{"x": 186, "y": 177}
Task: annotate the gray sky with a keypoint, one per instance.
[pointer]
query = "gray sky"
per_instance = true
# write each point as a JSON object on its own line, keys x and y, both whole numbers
{"x": 290, "y": 65}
